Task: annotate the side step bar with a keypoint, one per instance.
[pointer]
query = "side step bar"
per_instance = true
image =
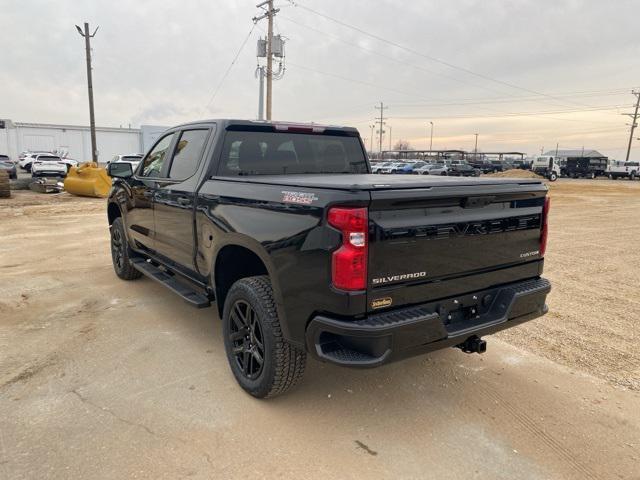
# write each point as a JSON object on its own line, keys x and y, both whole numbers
{"x": 188, "y": 294}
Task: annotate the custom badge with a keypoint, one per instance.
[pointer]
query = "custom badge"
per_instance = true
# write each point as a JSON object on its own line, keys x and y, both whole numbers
{"x": 381, "y": 302}
{"x": 301, "y": 198}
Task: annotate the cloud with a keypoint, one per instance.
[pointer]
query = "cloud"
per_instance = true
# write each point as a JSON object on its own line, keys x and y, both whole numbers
{"x": 157, "y": 62}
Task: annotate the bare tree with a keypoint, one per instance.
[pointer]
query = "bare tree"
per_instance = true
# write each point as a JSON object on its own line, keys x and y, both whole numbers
{"x": 402, "y": 145}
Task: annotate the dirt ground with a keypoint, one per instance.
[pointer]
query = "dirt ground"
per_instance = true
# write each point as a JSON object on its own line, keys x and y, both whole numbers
{"x": 101, "y": 378}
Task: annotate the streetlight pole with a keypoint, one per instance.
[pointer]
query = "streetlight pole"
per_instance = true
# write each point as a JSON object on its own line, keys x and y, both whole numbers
{"x": 431, "y": 140}
{"x": 389, "y": 137}
{"x": 475, "y": 150}
{"x": 372, "y": 127}
{"x": 92, "y": 119}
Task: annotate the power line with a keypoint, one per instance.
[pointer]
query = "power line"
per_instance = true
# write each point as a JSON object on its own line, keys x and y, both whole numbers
{"x": 244, "y": 42}
{"x": 423, "y": 55}
{"x": 517, "y": 114}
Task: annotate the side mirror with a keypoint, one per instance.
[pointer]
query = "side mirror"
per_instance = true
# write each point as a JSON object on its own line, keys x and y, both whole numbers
{"x": 120, "y": 170}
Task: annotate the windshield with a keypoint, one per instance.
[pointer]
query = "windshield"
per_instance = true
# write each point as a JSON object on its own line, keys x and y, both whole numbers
{"x": 276, "y": 153}
{"x": 47, "y": 158}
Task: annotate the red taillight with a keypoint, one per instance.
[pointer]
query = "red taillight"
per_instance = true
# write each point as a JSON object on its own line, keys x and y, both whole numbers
{"x": 544, "y": 229}
{"x": 349, "y": 262}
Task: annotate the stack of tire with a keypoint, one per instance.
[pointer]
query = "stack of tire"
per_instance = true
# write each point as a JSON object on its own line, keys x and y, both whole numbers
{"x": 5, "y": 191}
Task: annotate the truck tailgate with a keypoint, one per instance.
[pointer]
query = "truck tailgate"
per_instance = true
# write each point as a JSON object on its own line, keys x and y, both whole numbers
{"x": 443, "y": 241}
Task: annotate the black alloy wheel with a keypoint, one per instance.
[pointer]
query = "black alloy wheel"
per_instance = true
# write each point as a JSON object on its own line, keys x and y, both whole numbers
{"x": 247, "y": 340}
{"x": 117, "y": 249}
{"x": 121, "y": 254}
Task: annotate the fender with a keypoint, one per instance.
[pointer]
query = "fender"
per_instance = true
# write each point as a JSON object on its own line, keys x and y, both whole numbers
{"x": 255, "y": 247}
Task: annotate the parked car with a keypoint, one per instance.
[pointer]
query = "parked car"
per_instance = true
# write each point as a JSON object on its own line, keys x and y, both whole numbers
{"x": 380, "y": 166}
{"x": 392, "y": 167}
{"x": 27, "y": 158}
{"x": 48, "y": 166}
{"x": 306, "y": 253}
{"x": 7, "y": 158}
{"x": 463, "y": 170}
{"x": 132, "y": 158}
{"x": 433, "y": 169}
{"x": 618, "y": 169}
{"x": 409, "y": 167}
{"x": 7, "y": 165}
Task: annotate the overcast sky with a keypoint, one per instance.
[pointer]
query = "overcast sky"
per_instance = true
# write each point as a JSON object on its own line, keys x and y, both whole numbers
{"x": 160, "y": 62}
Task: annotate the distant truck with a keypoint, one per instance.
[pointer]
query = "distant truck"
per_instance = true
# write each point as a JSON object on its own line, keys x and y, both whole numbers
{"x": 618, "y": 169}
{"x": 586, "y": 167}
{"x": 547, "y": 166}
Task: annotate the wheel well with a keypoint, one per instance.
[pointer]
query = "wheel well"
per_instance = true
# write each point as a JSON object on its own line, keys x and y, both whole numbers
{"x": 113, "y": 212}
{"x": 233, "y": 263}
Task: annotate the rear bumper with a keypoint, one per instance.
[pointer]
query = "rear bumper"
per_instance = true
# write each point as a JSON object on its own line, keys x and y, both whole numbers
{"x": 48, "y": 173}
{"x": 396, "y": 334}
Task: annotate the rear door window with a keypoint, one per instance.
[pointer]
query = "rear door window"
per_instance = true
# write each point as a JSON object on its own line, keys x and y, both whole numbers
{"x": 188, "y": 152}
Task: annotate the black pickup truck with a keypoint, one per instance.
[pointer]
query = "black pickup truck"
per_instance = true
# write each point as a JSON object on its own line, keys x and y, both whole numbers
{"x": 305, "y": 252}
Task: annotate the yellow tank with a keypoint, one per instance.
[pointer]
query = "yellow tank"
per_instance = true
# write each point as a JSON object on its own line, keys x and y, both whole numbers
{"x": 88, "y": 180}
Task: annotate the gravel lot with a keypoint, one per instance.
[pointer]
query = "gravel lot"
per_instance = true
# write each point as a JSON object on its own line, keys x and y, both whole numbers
{"x": 101, "y": 378}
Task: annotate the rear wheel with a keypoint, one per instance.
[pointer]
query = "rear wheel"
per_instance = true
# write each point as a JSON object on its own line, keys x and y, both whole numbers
{"x": 121, "y": 253}
{"x": 262, "y": 361}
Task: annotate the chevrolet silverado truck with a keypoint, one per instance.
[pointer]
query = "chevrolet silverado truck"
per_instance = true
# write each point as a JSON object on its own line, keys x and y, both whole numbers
{"x": 305, "y": 252}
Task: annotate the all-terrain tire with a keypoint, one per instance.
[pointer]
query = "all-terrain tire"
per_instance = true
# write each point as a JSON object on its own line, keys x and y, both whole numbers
{"x": 283, "y": 364}
{"x": 121, "y": 253}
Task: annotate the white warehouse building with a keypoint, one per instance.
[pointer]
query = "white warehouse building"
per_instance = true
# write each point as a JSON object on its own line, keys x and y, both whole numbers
{"x": 74, "y": 141}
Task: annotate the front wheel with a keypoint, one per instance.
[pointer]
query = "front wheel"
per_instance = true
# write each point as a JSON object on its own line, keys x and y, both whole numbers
{"x": 262, "y": 361}
{"x": 633, "y": 176}
{"x": 121, "y": 253}
{"x": 553, "y": 177}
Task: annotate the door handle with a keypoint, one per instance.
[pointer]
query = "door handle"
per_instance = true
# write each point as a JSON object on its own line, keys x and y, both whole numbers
{"x": 184, "y": 200}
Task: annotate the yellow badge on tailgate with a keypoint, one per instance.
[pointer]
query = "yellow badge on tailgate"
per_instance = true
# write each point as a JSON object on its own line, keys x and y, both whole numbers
{"x": 381, "y": 302}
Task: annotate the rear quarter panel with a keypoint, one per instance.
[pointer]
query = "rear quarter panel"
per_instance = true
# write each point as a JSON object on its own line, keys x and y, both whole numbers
{"x": 285, "y": 227}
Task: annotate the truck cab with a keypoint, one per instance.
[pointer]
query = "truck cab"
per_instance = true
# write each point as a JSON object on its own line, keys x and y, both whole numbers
{"x": 547, "y": 166}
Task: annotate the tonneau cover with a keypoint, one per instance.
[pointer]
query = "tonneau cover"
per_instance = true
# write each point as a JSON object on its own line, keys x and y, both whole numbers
{"x": 377, "y": 182}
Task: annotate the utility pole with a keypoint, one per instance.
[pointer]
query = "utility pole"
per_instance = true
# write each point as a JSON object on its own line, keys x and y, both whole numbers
{"x": 381, "y": 123}
{"x": 431, "y": 140}
{"x": 92, "y": 119}
{"x": 270, "y": 14}
{"x": 389, "y": 137}
{"x": 634, "y": 122}
{"x": 269, "y": 53}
